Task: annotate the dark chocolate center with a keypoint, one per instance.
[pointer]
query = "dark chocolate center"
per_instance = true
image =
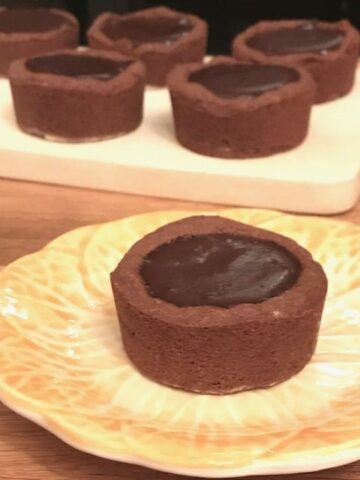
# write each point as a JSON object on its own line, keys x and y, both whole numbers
{"x": 236, "y": 80}
{"x": 221, "y": 270}
{"x": 305, "y": 38}
{"x": 81, "y": 67}
{"x": 27, "y": 20}
{"x": 155, "y": 30}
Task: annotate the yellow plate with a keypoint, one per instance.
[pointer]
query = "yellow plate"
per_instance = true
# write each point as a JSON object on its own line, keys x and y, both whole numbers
{"x": 62, "y": 364}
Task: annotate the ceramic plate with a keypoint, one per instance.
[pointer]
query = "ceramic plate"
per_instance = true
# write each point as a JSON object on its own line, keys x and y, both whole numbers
{"x": 63, "y": 366}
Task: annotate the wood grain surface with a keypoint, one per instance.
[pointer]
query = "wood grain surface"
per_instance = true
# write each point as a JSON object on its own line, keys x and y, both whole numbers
{"x": 30, "y": 216}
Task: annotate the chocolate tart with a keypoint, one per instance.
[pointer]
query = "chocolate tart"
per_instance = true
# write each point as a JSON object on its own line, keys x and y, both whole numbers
{"x": 25, "y": 32}
{"x": 214, "y": 306}
{"x": 78, "y": 96}
{"x": 160, "y": 37}
{"x": 230, "y": 109}
{"x": 328, "y": 50}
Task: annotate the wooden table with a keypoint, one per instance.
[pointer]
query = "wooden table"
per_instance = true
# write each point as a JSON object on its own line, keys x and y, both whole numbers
{"x": 30, "y": 216}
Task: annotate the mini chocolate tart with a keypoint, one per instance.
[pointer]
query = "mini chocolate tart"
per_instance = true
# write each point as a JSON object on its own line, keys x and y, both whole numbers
{"x": 25, "y": 32}
{"x": 214, "y": 306}
{"x": 329, "y": 51}
{"x": 230, "y": 109}
{"x": 160, "y": 37}
{"x": 78, "y": 96}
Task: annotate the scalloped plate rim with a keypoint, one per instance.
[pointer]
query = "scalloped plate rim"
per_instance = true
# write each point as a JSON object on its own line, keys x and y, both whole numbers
{"x": 262, "y": 468}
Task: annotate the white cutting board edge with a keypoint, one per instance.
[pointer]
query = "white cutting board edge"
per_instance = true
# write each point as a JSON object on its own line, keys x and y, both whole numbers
{"x": 322, "y": 176}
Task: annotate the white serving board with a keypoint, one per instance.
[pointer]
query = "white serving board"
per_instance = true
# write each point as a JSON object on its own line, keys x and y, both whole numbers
{"x": 321, "y": 176}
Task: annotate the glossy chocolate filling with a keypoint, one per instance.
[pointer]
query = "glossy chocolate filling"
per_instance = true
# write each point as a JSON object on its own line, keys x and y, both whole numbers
{"x": 308, "y": 37}
{"x": 231, "y": 81}
{"x": 27, "y": 20}
{"x": 220, "y": 270}
{"x": 140, "y": 31}
{"x": 75, "y": 66}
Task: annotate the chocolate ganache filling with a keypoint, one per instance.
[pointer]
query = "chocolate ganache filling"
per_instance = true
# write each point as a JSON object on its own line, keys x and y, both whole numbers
{"x": 75, "y": 66}
{"x": 237, "y": 80}
{"x": 220, "y": 270}
{"x": 22, "y": 20}
{"x": 156, "y": 30}
{"x": 308, "y": 37}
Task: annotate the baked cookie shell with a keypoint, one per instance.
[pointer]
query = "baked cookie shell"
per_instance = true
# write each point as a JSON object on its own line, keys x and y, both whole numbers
{"x": 159, "y": 58}
{"x": 215, "y": 350}
{"x": 242, "y": 127}
{"x": 17, "y": 45}
{"x": 44, "y": 102}
{"x": 334, "y": 73}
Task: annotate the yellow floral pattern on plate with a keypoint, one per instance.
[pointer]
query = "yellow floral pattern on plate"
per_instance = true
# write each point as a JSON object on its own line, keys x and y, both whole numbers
{"x": 62, "y": 361}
